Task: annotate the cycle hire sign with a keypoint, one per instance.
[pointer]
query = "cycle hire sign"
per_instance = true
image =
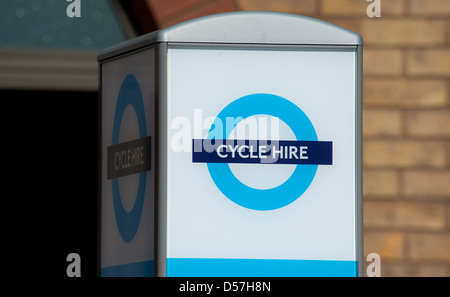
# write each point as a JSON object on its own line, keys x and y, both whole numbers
{"x": 237, "y": 140}
{"x": 127, "y": 171}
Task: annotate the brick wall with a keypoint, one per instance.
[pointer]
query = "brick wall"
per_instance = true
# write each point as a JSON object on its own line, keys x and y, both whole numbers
{"x": 170, "y": 12}
{"x": 406, "y": 126}
{"x": 406, "y": 119}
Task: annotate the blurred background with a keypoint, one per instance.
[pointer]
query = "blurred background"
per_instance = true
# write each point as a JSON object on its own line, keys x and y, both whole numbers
{"x": 48, "y": 88}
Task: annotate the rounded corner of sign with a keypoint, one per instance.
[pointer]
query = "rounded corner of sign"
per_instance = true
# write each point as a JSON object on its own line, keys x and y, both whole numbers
{"x": 359, "y": 40}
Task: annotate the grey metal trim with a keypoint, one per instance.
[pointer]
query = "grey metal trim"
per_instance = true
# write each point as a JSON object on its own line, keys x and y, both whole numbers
{"x": 161, "y": 159}
{"x": 259, "y": 27}
{"x": 127, "y": 46}
{"x": 359, "y": 162}
{"x": 245, "y": 27}
{"x": 121, "y": 54}
{"x": 263, "y": 47}
{"x": 99, "y": 172}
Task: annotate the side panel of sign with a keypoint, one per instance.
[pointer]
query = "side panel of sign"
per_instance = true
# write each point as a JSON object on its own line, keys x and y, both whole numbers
{"x": 127, "y": 165}
{"x": 261, "y": 161}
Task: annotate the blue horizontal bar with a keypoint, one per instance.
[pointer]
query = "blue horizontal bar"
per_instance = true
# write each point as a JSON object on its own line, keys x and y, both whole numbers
{"x": 272, "y": 151}
{"x": 201, "y": 267}
{"x": 138, "y": 269}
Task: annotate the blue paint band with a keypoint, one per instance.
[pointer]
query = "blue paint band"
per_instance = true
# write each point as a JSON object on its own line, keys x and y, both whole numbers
{"x": 198, "y": 267}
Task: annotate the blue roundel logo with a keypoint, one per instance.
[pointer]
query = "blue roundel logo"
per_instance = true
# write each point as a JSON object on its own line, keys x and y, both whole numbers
{"x": 128, "y": 222}
{"x": 306, "y": 152}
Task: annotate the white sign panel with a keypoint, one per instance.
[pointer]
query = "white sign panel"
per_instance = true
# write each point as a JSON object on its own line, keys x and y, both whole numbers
{"x": 279, "y": 200}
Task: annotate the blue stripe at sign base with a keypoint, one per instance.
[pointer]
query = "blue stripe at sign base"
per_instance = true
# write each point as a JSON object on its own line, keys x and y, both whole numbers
{"x": 201, "y": 267}
{"x": 262, "y": 151}
{"x": 138, "y": 269}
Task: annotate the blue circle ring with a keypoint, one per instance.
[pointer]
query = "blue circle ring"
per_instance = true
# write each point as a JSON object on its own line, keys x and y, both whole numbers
{"x": 128, "y": 222}
{"x": 301, "y": 178}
